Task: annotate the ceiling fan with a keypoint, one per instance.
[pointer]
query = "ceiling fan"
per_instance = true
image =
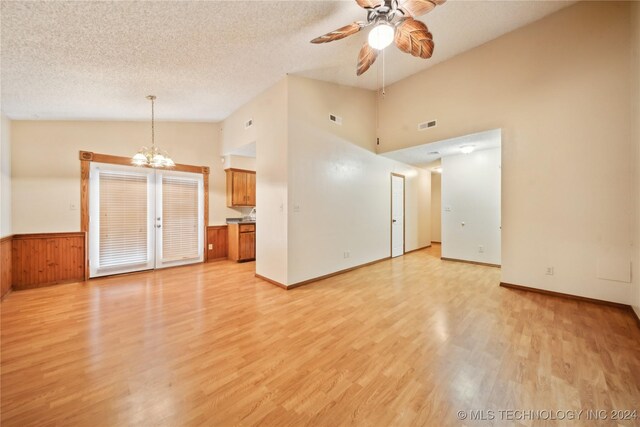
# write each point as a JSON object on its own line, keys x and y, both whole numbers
{"x": 393, "y": 20}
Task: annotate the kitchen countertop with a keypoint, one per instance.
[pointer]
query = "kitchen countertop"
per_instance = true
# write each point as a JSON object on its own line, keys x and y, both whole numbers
{"x": 240, "y": 221}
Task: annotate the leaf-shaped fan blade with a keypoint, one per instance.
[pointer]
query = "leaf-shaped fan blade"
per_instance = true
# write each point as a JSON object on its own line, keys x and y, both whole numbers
{"x": 414, "y": 37}
{"x": 340, "y": 33}
{"x": 366, "y": 58}
{"x": 419, "y": 7}
{"x": 369, "y": 4}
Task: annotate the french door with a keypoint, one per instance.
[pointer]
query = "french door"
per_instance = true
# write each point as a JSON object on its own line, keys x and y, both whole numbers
{"x": 141, "y": 218}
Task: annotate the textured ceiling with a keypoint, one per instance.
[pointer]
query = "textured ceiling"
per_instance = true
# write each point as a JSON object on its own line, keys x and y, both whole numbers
{"x": 98, "y": 60}
{"x": 424, "y": 155}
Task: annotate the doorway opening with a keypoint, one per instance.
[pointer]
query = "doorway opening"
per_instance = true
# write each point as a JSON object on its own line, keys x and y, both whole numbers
{"x": 466, "y": 175}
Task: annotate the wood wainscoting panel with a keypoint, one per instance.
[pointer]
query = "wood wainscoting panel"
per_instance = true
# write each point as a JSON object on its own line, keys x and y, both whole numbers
{"x": 46, "y": 259}
{"x": 5, "y": 265}
{"x": 217, "y": 238}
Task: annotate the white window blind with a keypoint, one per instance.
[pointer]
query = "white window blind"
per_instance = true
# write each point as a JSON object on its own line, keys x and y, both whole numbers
{"x": 180, "y": 218}
{"x": 123, "y": 219}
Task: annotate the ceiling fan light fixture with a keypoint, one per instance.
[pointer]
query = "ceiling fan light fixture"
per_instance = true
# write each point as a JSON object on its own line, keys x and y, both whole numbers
{"x": 381, "y": 36}
{"x": 467, "y": 149}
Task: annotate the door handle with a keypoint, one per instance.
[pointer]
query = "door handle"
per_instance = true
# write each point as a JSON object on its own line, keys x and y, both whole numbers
{"x": 159, "y": 225}
{"x": 395, "y": 220}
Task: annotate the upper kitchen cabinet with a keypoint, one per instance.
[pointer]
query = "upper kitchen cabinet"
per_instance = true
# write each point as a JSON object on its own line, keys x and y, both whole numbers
{"x": 241, "y": 188}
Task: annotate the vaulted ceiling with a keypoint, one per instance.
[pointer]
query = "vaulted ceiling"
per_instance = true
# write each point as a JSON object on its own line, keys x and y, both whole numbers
{"x": 98, "y": 60}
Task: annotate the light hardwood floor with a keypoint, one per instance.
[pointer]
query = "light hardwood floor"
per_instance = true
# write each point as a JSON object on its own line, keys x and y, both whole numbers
{"x": 409, "y": 341}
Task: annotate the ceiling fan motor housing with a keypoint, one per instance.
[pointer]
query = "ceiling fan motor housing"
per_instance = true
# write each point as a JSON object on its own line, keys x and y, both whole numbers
{"x": 387, "y": 11}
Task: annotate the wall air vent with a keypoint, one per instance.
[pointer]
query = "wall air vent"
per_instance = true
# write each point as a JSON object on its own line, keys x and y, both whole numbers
{"x": 427, "y": 125}
{"x": 248, "y": 123}
{"x": 335, "y": 119}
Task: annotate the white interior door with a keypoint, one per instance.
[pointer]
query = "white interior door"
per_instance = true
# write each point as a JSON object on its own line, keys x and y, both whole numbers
{"x": 397, "y": 215}
{"x": 141, "y": 218}
{"x": 179, "y": 218}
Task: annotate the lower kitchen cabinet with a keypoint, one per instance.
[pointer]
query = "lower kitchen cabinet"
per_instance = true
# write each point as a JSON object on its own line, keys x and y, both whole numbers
{"x": 242, "y": 242}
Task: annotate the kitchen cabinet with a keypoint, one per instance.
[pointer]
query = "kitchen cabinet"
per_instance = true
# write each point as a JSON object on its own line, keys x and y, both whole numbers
{"x": 217, "y": 246}
{"x": 241, "y": 188}
{"x": 242, "y": 242}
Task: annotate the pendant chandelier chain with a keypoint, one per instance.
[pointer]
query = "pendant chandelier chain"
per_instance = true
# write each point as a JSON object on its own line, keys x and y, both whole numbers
{"x": 152, "y": 157}
{"x": 153, "y": 123}
{"x": 152, "y": 98}
{"x": 383, "y": 76}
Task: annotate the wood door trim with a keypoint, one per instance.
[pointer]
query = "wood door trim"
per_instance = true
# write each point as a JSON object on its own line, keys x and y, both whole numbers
{"x": 126, "y": 161}
{"x": 404, "y": 208}
{"x": 86, "y": 157}
{"x": 85, "y": 173}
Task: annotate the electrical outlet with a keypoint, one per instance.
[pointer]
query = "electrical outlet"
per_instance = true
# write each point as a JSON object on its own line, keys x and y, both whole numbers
{"x": 347, "y": 254}
{"x": 481, "y": 249}
{"x": 296, "y": 208}
{"x": 549, "y": 271}
{"x": 210, "y": 246}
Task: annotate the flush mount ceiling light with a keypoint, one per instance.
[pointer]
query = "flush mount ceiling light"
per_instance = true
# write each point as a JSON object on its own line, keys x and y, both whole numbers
{"x": 152, "y": 157}
{"x": 466, "y": 149}
{"x": 393, "y": 20}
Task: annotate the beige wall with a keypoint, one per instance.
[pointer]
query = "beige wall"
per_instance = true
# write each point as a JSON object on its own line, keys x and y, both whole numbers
{"x": 46, "y": 167}
{"x": 5, "y": 177}
{"x": 269, "y": 132}
{"x": 321, "y": 189}
{"x": 339, "y": 189}
{"x": 560, "y": 90}
{"x": 239, "y": 162}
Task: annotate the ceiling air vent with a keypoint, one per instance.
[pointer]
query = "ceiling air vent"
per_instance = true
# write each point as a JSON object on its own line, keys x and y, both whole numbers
{"x": 427, "y": 125}
{"x": 335, "y": 119}
{"x": 248, "y": 123}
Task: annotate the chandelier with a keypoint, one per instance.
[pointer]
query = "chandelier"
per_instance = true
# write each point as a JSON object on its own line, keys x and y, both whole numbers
{"x": 152, "y": 157}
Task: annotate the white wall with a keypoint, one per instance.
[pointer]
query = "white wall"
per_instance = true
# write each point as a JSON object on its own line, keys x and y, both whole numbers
{"x": 321, "y": 189}
{"x": 339, "y": 189}
{"x": 471, "y": 206}
{"x": 5, "y": 177}
{"x": 269, "y": 132}
{"x": 567, "y": 145}
{"x": 46, "y": 165}
{"x": 436, "y": 207}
